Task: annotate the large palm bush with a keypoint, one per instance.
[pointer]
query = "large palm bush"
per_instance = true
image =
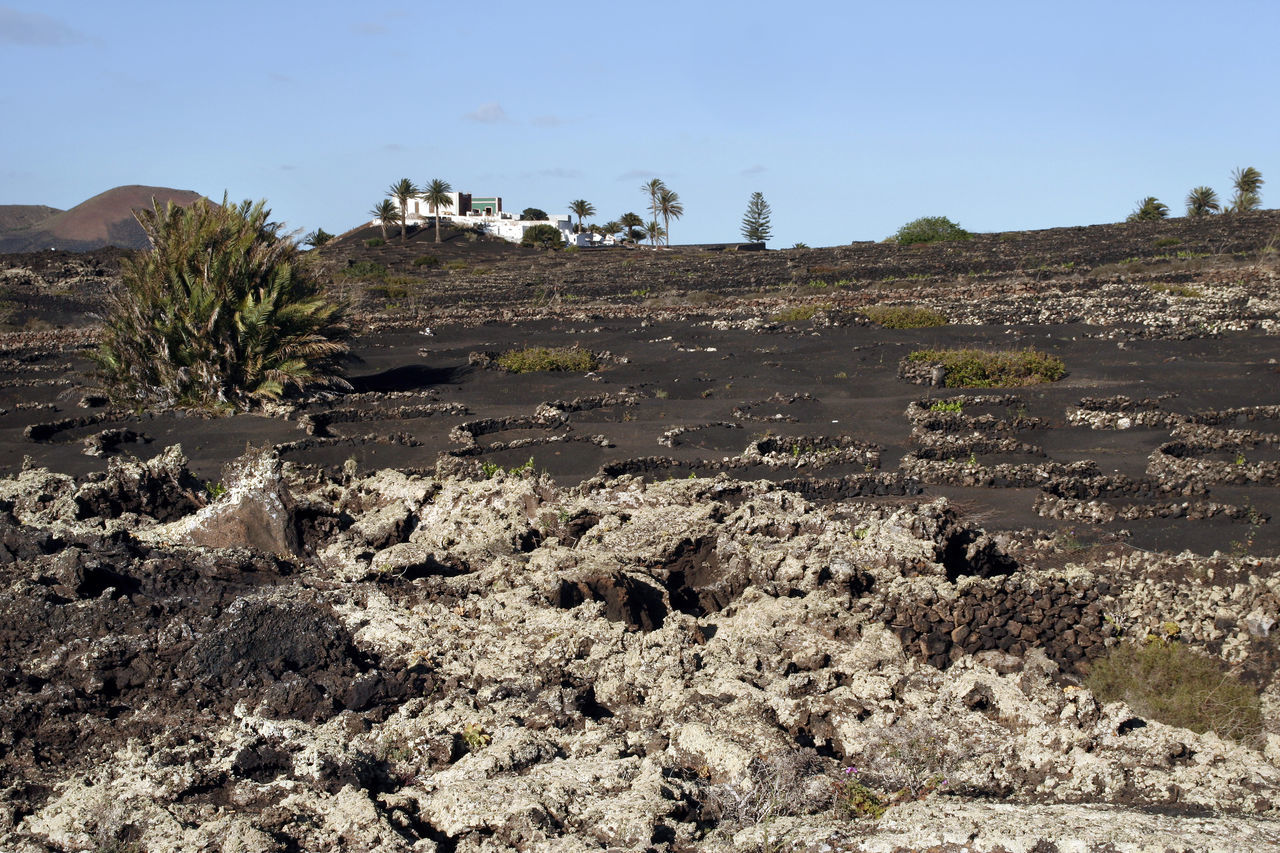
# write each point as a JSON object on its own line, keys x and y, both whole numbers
{"x": 222, "y": 312}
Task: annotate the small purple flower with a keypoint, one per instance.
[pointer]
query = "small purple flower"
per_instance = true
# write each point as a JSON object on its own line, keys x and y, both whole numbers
{"x": 849, "y": 770}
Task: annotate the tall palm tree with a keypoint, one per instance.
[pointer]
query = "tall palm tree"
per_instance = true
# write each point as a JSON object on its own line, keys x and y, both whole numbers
{"x": 1247, "y": 182}
{"x": 653, "y": 188}
{"x": 403, "y": 190}
{"x": 436, "y": 194}
{"x": 1202, "y": 201}
{"x": 613, "y": 227}
{"x": 654, "y": 232}
{"x": 670, "y": 207}
{"x": 581, "y": 208}
{"x": 385, "y": 212}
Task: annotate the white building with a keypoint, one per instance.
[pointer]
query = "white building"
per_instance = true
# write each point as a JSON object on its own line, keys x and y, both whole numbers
{"x": 487, "y": 212}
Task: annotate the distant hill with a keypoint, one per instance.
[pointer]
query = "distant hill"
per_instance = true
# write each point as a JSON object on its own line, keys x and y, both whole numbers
{"x": 14, "y": 217}
{"x": 104, "y": 220}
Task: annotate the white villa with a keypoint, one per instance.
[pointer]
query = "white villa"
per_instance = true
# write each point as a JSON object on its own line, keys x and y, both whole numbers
{"x": 487, "y": 212}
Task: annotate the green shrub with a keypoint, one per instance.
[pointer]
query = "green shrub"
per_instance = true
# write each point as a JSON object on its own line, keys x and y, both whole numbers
{"x": 366, "y": 271}
{"x": 222, "y": 312}
{"x": 428, "y": 261}
{"x": 904, "y": 317}
{"x": 392, "y": 289}
{"x": 1167, "y": 681}
{"x": 930, "y": 229}
{"x": 375, "y": 242}
{"x": 543, "y": 237}
{"x": 456, "y": 266}
{"x": 1164, "y": 242}
{"x": 953, "y": 406}
{"x": 794, "y": 314}
{"x": 1184, "y": 290}
{"x": 970, "y": 368}
{"x": 856, "y": 800}
{"x": 492, "y": 469}
{"x": 540, "y": 359}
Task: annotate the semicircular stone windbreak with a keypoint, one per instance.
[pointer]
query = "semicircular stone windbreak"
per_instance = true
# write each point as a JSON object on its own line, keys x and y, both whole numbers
{"x": 1238, "y": 447}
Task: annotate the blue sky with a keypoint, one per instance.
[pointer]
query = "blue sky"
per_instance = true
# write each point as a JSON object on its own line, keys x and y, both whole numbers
{"x": 852, "y": 118}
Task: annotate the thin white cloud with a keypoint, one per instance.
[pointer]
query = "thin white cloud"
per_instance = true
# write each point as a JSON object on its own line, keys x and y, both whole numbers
{"x": 753, "y": 170}
{"x": 560, "y": 173}
{"x": 33, "y": 29}
{"x": 368, "y": 28}
{"x": 490, "y": 113}
{"x": 635, "y": 174}
{"x": 547, "y": 121}
{"x": 394, "y": 146}
{"x": 285, "y": 167}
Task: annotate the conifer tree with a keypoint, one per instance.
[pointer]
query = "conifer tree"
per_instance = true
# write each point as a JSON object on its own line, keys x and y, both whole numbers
{"x": 755, "y": 224}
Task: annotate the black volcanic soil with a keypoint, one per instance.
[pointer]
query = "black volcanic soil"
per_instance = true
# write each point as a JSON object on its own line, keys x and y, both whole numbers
{"x": 712, "y": 361}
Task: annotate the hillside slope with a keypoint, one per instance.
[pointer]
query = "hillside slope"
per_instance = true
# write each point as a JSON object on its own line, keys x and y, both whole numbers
{"x": 104, "y": 220}
{"x": 14, "y": 217}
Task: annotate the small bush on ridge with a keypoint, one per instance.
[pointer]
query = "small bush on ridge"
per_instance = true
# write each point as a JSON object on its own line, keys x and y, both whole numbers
{"x": 929, "y": 229}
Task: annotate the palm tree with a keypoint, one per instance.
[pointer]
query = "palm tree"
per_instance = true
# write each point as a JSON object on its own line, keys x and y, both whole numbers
{"x": 581, "y": 208}
{"x": 436, "y": 194}
{"x": 1247, "y": 182}
{"x": 403, "y": 190}
{"x": 670, "y": 207}
{"x": 613, "y": 227}
{"x": 633, "y": 224}
{"x": 1202, "y": 201}
{"x": 385, "y": 212}
{"x": 653, "y": 188}
{"x": 1149, "y": 210}
{"x": 654, "y": 232}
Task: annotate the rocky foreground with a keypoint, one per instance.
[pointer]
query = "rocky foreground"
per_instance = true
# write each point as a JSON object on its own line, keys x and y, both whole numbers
{"x": 379, "y": 661}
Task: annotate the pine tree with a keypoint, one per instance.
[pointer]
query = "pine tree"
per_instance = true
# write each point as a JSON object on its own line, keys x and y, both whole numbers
{"x": 755, "y": 225}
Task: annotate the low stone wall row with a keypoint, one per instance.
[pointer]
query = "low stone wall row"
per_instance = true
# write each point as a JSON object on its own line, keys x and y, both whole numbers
{"x": 1009, "y": 614}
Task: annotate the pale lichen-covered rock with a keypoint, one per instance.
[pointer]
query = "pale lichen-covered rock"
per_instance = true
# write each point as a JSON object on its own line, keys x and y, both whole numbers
{"x": 40, "y": 497}
{"x": 499, "y": 665}
{"x": 253, "y": 512}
